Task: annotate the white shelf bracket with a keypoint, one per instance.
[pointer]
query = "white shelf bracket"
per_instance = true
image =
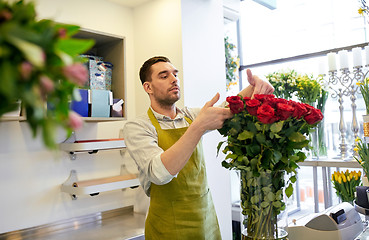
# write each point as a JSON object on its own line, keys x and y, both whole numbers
{"x": 71, "y": 181}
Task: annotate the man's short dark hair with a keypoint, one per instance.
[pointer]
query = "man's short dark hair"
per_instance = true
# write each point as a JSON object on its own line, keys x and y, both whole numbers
{"x": 145, "y": 71}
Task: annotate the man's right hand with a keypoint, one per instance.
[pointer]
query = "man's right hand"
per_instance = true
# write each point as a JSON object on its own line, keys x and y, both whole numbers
{"x": 211, "y": 117}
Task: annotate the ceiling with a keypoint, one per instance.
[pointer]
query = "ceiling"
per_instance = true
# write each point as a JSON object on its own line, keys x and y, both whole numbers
{"x": 130, "y": 3}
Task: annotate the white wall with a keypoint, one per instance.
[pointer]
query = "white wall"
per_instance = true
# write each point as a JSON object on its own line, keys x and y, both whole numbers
{"x": 157, "y": 31}
{"x": 204, "y": 76}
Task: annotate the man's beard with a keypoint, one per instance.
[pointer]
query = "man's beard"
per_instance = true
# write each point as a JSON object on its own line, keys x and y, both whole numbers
{"x": 168, "y": 102}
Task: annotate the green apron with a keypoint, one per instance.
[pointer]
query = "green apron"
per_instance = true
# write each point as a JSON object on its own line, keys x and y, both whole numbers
{"x": 182, "y": 208}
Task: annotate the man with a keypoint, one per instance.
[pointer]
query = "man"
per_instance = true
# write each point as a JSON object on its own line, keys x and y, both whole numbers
{"x": 165, "y": 144}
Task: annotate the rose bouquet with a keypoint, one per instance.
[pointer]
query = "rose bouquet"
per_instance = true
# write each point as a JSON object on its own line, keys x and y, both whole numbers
{"x": 39, "y": 65}
{"x": 265, "y": 138}
{"x": 345, "y": 184}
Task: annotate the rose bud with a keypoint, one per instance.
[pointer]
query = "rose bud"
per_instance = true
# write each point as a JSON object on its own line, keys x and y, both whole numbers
{"x": 26, "y": 70}
{"x": 47, "y": 84}
{"x": 75, "y": 120}
{"x": 76, "y": 73}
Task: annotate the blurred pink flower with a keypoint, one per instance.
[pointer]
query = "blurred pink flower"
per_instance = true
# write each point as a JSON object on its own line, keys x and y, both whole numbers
{"x": 76, "y": 73}
{"x": 75, "y": 120}
{"x": 62, "y": 32}
{"x": 47, "y": 84}
{"x": 26, "y": 70}
{"x": 5, "y": 15}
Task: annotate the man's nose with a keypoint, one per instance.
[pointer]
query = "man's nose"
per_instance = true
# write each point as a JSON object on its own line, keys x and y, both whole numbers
{"x": 173, "y": 78}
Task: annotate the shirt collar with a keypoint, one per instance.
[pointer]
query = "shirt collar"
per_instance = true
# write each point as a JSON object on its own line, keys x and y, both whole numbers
{"x": 180, "y": 115}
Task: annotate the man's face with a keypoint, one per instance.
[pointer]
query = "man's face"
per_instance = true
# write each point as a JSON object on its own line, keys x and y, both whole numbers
{"x": 164, "y": 85}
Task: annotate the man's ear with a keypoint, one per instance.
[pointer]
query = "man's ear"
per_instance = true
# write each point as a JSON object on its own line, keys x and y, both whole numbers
{"x": 147, "y": 87}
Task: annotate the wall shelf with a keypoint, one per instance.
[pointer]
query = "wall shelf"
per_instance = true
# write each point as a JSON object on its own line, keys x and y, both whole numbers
{"x": 112, "y": 49}
{"x": 95, "y": 186}
{"x": 72, "y": 146}
{"x": 102, "y": 119}
{"x": 15, "y": 118}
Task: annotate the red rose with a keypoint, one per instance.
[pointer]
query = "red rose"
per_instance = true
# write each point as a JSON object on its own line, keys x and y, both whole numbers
{"x": 300, "y": 109}
{"x": 284, "y": 111}
{"x": 246, "y": 99}
{"x": 252, "y": 106}
{"x": 314, "y": 116}
{"x": 235, "y": 104}
{"x": 266, "y": 114}
{"x": 263, "y": 97}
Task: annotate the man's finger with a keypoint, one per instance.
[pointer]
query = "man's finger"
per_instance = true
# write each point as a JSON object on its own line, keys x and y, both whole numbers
{"x": 250, "y": 77}
{"x": 213, "y": 100}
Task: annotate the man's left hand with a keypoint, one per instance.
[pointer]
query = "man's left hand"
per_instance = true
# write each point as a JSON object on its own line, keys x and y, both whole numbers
{"x": 260, "y": 86}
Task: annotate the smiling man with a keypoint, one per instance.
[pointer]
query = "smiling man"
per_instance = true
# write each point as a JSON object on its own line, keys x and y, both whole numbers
{"x": 166, "y": 146}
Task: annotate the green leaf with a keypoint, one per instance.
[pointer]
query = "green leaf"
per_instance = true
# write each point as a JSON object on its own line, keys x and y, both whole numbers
{"x": 277, "y": 126}
{"x": 218, "y": 147}
{"x": 74, "y": 46}
{"x": 289, "y": 190}
{"x": 293, "y": 179}
{"x": 297, "y": 137}
{"x": 260, "y": 138}
{"x": 245, "y": 135}
{"x": 231, "y": 156}
{"x": 33, "y": 53}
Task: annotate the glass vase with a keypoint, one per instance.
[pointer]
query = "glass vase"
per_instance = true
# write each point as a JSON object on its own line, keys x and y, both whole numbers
{"x": 263, "y": 205}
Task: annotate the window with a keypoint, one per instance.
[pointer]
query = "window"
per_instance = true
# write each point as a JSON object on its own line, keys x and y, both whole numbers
{"x": 297, "y": 35}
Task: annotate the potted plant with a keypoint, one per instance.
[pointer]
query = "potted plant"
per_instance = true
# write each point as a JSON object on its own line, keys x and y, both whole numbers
{"x": 40, "y": 68}
{"x": 345, "y": 184}
{"x": 362, "y": 157}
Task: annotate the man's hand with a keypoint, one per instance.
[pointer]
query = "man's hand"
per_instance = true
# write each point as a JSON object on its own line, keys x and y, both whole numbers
{"x": 211, "y": 117}
{"x": 259, "y": 86}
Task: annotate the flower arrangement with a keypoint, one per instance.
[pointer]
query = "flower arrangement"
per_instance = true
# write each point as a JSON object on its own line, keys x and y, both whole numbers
{"x": 308, "y": 89}
{"x": 364, "y": 90}
{"x": 284, "y": 83}
{"x": 264, "y": 139}
{"x": 362, "y": 150}
{"x": 40, "y": 66}
{"x": 345, "y": 184}
{"x": 232, "y": 63}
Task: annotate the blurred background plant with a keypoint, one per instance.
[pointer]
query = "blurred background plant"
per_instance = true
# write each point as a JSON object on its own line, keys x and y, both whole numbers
{"x": 308, "y": 89}
{"x": 284, "y": 83}
{"x": 345, "y": 184}
{"x": 232, "y": 63}
{"x": 362, "y": 154}
{"x": 364, "y": 90}
{"x": 40, "y": 68}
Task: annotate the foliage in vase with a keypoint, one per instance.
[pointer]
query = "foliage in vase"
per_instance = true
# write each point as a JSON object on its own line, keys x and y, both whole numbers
{"x": 284, "y": 83}
{"x": 40, "y": 66}
{"x": 364, "y": 90}
{"x": 266, "y": 135}
{"x": 232, "y": 63}
{"x": 362, "y": 150}
{"x": 345, "y": 184}
{"x": 309, "y": 89}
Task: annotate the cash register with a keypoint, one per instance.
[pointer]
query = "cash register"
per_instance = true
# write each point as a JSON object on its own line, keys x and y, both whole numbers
{"x": 340, "y": 222}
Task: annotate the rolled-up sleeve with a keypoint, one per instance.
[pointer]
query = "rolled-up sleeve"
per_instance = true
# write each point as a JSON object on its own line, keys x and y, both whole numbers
{"x": 142, "y": 145}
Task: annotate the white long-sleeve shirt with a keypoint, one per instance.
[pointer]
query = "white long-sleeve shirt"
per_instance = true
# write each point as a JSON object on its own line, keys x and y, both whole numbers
{"x": 141, "y": 139}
